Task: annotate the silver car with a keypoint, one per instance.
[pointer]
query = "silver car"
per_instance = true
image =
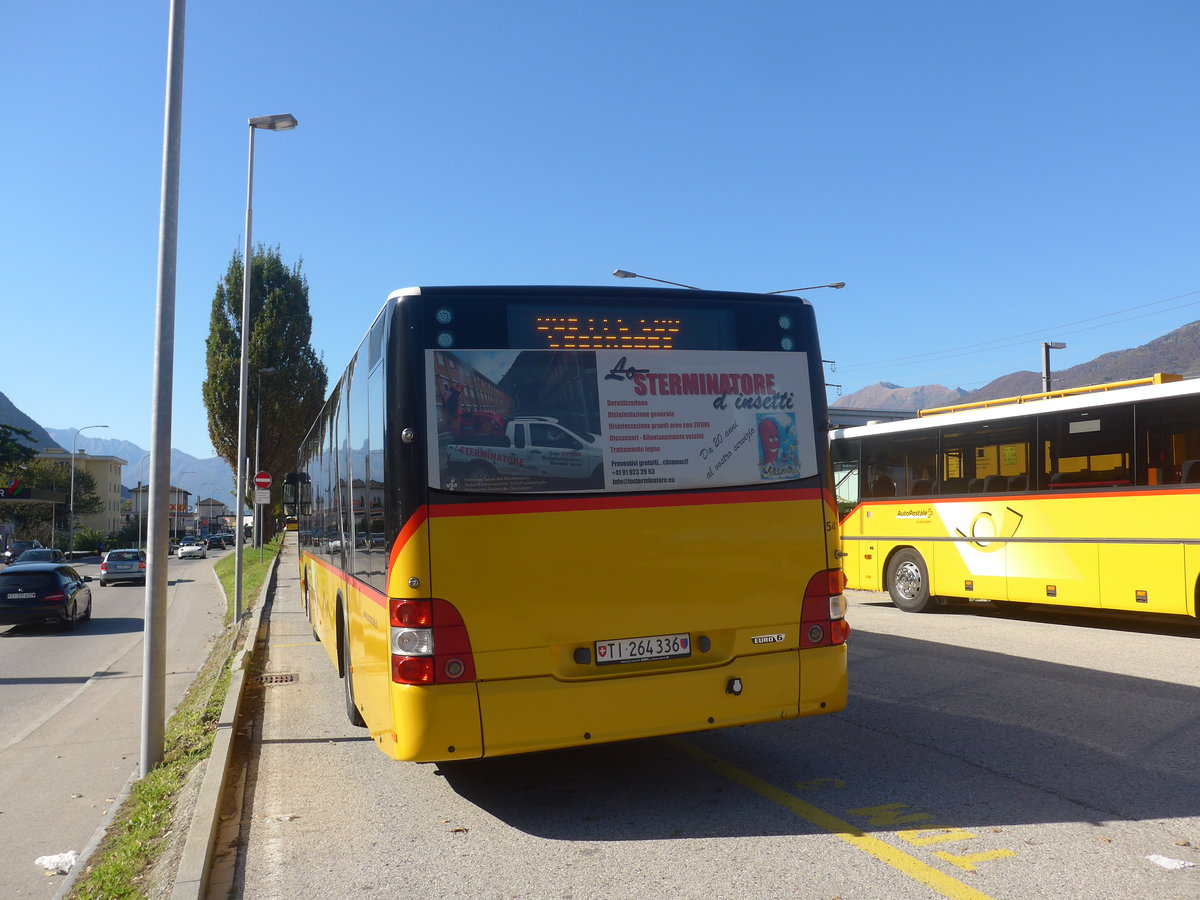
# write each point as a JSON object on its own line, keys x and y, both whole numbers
{"x": 123, "y": 565}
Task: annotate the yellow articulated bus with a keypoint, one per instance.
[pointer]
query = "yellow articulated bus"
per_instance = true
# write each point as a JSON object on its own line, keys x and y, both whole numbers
{"x": 1080, "y": 498}
{"x": 541, "y": 517}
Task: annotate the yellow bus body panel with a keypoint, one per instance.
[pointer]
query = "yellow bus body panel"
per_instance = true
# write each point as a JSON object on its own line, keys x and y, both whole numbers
{"x": 537, "y": 585}
{"x": 1133, "y": 551}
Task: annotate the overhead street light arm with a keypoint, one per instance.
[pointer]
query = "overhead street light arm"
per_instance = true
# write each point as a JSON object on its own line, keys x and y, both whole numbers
{"x": 837, "y": 286}
{"x": 622, "y": 273}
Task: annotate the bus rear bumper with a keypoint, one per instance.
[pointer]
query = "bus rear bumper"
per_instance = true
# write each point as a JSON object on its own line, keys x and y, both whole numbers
{"x": 529, "y": 714}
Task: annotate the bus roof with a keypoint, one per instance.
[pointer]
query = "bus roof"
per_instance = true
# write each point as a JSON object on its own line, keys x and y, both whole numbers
{"x": 1091, "y": 397}
{"x": 609, "y": 292}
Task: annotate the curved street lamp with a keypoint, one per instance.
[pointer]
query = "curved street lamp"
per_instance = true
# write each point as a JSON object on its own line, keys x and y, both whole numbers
{"x": 1047, "y": 346}
{"x": 74, "y": 441}
{"x": 282, "y": 122}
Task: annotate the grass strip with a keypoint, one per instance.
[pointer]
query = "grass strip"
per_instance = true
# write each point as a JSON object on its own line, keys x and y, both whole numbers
{"x": 138, "y": 833}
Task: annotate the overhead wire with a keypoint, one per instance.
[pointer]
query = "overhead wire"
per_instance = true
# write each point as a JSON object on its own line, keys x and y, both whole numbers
{"x": 1016, "y": 339}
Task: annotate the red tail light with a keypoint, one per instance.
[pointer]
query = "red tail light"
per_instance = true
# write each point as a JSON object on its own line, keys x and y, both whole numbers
{"x": 103, "y": 567}
{"x": 822, "y": 616}
{"x": 430, "y": 644}
{"x": 54, "y": 598}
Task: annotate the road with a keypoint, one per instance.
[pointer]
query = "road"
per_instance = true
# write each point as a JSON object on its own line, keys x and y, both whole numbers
{"x": 70, "y": 719}
{"x": 981, "y": 755}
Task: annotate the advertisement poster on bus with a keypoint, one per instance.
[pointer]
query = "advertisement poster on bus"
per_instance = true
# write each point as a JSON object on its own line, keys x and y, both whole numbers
{"x": 537, "y": 421}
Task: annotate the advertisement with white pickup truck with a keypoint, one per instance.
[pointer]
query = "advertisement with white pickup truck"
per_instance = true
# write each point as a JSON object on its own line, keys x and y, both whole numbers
{"x": 530, "y": 449}
{"x": 549, "y": 421}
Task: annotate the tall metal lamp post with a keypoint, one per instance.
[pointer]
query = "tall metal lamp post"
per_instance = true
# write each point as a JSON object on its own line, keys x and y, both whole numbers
{"x": 1047, "y": 346}
{"x": 282, "y": 122}
{"x": 265, "y": 370}
{"x": 71, "y": 523}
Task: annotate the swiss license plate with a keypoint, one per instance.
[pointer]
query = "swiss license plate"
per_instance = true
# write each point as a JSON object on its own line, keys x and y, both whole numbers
{"x": 643, "y": 649}
{"x": 22, "y": 596}
{"x": 123, "y": 567}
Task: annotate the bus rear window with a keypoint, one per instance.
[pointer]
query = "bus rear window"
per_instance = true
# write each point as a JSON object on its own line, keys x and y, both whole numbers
{"x": 542, "y": 420}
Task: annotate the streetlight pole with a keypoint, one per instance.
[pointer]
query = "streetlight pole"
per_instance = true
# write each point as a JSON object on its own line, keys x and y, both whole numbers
{"x": 141, "y": 500}
{"x": 265, "y": 370}
{"x": 1047, "y": 346}
{"x": 71, "y": 523}
{"x": 283, "y": 122}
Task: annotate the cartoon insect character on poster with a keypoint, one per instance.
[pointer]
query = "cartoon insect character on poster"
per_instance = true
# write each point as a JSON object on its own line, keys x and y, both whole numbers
{"x": 778, "y": 455}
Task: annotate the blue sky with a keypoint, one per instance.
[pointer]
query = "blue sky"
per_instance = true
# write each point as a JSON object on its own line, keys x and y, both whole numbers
{"x": 983, "y": 177}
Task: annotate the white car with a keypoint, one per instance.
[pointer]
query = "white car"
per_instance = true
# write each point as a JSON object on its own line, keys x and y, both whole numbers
{"x": 192, "y": 551}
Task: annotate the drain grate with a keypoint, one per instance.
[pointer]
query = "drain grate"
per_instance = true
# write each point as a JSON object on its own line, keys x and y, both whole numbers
{"x": 274, "y": 679}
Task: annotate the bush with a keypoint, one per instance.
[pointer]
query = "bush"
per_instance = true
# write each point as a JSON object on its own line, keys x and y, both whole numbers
{"x": 125, "y": 537}
{"x": 88, "y": 539}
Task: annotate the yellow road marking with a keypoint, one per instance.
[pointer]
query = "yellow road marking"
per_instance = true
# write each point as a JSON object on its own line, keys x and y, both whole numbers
{"x": 881, "y": 850}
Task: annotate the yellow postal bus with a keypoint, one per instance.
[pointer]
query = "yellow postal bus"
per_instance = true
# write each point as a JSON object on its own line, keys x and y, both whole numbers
{"x": 539, "y": 517}
{"x": 1084, "y": 498}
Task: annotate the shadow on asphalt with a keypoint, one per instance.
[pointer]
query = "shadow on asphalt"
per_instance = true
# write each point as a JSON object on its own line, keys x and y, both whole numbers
{"x": 1133, "y": 623}
{"x": 97, "y": 624}
{"x": 981, "y": 738}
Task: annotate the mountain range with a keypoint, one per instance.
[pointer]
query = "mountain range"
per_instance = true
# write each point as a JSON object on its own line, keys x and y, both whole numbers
{"x": 203, "y": 478}
{"x": 1177, "y": 351}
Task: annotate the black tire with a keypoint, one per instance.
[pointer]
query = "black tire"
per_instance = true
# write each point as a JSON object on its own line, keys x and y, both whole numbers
{"x": 908, "y": 582}
{"x": 103, "y": 583}
{"x": 308, "y": 611}
{"x": 352, "y": 712}
{"x": 87, "y": 613}
{"x": 72, "y": 618}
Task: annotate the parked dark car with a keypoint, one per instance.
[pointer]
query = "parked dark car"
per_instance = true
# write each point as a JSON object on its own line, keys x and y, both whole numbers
{"x": 16, "y": 548}
{"x": 214, "y": 542}
{"x": 41, "y": 554}
{"x": 123, "y": 565}
{"x": 33, "y": 593}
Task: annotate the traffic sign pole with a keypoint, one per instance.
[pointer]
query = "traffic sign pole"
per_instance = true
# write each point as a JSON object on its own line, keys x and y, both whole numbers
{"x": 262, "y": 496}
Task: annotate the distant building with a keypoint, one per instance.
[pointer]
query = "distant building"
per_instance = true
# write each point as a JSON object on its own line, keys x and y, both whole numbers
{"x": 846, "y": 417}
{"x": 181, "y": 521}
{"x": 106, "y": 472}
{"x": 212, "y": 515}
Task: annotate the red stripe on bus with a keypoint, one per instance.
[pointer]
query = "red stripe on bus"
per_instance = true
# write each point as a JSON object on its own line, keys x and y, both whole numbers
{"x": 627, "y": 502}
{"x": 415, "y": 521}
{"x": 1008, "y": 497}
{"x": 372, "y": 593}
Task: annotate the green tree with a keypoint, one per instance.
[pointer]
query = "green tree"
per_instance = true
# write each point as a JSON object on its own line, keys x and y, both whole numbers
{"x": 280, "y": 334}
{"x": 33, "y": 520}
{"x": 13, "y": 450}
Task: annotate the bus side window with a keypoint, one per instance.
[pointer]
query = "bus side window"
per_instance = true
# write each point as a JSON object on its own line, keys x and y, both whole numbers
{"x": 845, "y": 476}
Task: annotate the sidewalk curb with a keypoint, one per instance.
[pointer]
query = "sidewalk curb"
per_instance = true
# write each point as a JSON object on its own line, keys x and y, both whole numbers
{"x": 191, "y": 879}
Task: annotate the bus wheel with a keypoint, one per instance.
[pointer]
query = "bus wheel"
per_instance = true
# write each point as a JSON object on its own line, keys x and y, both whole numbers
{"x": 908, "y": 582}
{"x": 308, "y": 610}
{"x": 352, "y": 712}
